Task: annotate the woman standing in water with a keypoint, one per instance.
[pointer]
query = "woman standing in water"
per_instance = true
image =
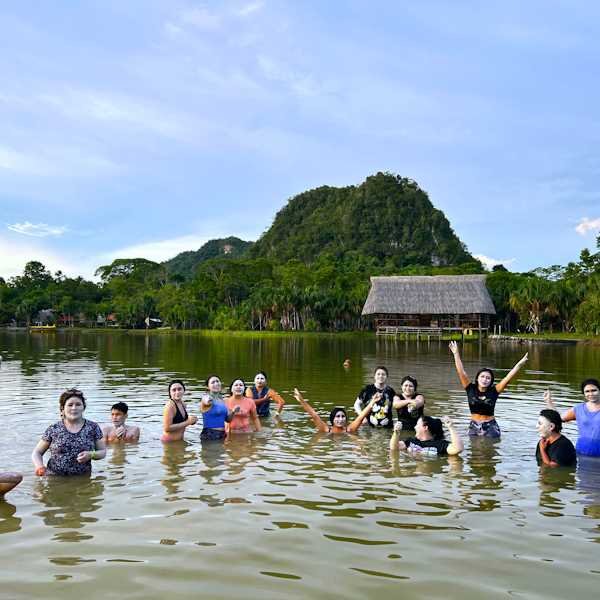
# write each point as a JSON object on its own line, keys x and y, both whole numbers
{"x": 429, "y": 438}
{"x": 214, "y": 411}
{"x": 74, "y": 442}
{"x": 337, "y": 417}
{"x": 482, "y": 395}
{"x": 587, "y": 416}
{"x": 263, "y": 395}
{"x": 409, "y": 405}
{"x": 175, "y": 416}
{"x": 244, "y": 417}
{"x": 381, "y": 415}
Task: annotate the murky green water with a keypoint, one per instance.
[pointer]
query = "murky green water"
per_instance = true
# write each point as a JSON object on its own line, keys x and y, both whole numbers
{"x": 288, "y": 513}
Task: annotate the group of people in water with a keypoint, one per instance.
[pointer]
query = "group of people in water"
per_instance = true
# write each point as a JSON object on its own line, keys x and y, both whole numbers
{"x": 74, "y": 442}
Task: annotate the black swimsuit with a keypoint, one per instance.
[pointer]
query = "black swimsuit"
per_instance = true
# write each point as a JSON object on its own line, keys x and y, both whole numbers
{"x": 178, "y": 417}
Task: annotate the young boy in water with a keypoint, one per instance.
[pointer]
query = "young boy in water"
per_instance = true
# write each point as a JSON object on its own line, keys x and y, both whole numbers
{"x": 118, "y": 431}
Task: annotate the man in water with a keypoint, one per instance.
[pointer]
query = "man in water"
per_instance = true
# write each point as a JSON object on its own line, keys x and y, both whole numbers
{"x": 553, "y": 449}
{"x": 118, "y": 431}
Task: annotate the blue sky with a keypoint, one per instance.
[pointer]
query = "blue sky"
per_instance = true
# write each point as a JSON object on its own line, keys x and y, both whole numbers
{"x": 144, "y": 128}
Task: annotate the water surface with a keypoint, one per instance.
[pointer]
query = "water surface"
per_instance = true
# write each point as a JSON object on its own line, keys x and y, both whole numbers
{"x": 288, "y": 513}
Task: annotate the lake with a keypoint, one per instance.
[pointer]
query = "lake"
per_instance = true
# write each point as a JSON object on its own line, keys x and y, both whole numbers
{"x": 287, "y": 513}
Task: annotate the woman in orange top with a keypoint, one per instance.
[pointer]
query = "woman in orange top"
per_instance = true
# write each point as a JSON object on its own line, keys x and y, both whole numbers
{"x": 244, "y": 417}
{"x": 263, "y": 395}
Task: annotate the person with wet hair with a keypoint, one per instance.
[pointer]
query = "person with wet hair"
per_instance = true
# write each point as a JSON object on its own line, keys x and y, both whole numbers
{"x": 263, "y": 395}
{"x": 553, "y": 449}
{"x": 74, "y": 442}
{"x": 244, "y": 416}
{"x": 587, "y": 416}
{"x": 381, "y": 414}
{"x": 409, "y": 405}
{"x": 338, "y": 418}
{"x": 482, "y": 395}
{"x": 215, "y": 414}
{"x": 429, "y": 438}
{"x": 118, "y": 430}
{"x": 175, "y": 416}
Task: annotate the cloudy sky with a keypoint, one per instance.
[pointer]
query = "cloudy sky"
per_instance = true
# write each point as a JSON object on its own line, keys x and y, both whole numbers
{"x": 144, "y": 128}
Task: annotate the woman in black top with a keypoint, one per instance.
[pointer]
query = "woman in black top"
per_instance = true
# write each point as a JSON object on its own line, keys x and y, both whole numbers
{"x": 381, "y": 414}
{"x": 482, "y": 395}
{"x": 553, "y": 449}
{"x": 409, "y": 405}
{"x": 429, "y": 438}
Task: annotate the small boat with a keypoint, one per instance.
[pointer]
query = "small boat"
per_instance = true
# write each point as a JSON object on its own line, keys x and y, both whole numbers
{"x": 48, "y": 328}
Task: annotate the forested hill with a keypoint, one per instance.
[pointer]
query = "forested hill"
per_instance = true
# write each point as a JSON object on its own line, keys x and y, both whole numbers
{"x": 185, "y": 263}
{"x": 388, "y": 218}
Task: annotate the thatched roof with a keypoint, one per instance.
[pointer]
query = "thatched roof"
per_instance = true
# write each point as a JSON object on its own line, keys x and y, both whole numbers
{"x": 429, "y": 295}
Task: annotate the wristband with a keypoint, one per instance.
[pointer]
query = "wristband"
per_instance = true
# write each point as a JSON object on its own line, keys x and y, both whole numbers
{"x": 93, "y": 455}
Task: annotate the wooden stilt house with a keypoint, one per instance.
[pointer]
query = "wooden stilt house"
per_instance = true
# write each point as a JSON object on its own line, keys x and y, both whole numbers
{"x": 429, "y": 304}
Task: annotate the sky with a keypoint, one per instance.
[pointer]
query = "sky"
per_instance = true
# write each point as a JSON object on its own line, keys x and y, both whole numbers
{"x": 145, "y": 128}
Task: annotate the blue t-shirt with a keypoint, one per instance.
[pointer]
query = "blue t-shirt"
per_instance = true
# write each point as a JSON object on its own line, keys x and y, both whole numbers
{"x": 588, "y": 424}
{"x": 216, "y": 415}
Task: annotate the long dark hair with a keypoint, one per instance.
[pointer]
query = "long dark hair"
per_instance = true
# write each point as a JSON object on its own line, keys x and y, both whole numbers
{"x": 173, "y": 383}
{"x": 335, "y": 411}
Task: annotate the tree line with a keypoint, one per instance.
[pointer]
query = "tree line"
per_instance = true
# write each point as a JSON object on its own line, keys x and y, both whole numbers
{"x": 263, "y": 294}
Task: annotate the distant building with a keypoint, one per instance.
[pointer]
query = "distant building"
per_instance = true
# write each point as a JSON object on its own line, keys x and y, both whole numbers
{"x": 454, "y": 302}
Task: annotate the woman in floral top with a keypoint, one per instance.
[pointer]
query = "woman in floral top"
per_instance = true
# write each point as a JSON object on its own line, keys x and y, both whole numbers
{"x": 73, "y": 442}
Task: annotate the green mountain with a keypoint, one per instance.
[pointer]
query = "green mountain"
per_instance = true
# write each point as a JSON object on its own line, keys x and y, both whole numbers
{"x": 185, "y": 263}
{"x": 388, "y": 217}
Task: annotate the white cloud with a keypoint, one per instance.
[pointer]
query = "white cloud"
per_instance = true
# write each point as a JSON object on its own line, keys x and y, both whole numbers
{"x": 249, "y": 9}
{"x": 586, "y": 225}
{"x": 15, "y": 254}
{"x": 54, "y": 161}
{"x": 37, "y": 229}
{"x": 489, "y": 263}
{"x": 157, "y": 251}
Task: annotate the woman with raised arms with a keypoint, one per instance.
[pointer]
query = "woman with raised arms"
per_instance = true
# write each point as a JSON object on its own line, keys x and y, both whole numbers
{"x": 74, "y": 442}
{"x": 244, "y": 417}
{"x": 175, "y": 416}
{"x": 482, "y": 395}
{"x": 429, "y": 438}
{"x": 337, "y": 417}
{"x": 587, "y": 415}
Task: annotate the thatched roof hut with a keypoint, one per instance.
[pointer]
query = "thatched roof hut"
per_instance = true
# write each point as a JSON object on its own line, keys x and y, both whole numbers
{"x": 430, "y": 301}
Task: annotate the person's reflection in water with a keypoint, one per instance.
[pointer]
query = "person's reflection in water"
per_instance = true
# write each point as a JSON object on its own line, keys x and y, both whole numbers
{"x": 552, "y": 481}
{"x": 8, "y": 522}
{"x": 588, "y": 483}
{"x": 69, "y": 502}
{"x": 243, "y": 450}
{"x": 175, "y": 456}
{"x": 484, "y": 483}
{"x": 213, "y": 457}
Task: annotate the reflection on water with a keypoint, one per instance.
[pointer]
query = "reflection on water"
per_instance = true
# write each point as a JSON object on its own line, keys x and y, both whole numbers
{"x": 290, "y": 513}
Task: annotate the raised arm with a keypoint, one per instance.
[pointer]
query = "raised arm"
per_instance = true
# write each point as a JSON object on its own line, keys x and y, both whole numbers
{"x": 320, "y": 424}
{"x": 395, "y": 442}
{"x": 568, "y": 415}
{"x": 462, "y": 375}
{"x": 500, "y": 386}
{"x": 275, "y": 397}
{"x": 363, "y": 413}
{"x": 456, "y": 445}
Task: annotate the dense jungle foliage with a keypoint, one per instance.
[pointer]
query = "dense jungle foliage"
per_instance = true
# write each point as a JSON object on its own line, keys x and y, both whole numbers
{"x": 295, "y": 278}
